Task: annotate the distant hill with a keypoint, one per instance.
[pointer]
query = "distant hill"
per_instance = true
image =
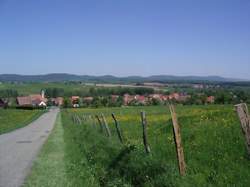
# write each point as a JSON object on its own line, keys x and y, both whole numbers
{"x": 60, "y": 77}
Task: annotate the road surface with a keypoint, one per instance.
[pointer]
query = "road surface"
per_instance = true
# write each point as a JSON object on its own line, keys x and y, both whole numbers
{"x": 19, "y": 148}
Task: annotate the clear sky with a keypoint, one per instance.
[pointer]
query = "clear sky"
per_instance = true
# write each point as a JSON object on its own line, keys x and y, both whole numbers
{"x": 126, "y": 37}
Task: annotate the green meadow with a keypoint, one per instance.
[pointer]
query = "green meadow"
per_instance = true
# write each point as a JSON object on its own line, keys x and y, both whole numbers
{"x": 32, "y": 88}
{"x": 11, "y": 119}
{"x": 214, "y": 148}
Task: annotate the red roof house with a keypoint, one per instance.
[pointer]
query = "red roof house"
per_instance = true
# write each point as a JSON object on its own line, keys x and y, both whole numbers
{"x": 31, "y": 100}
{"x": 75, "y": 100}
{"x": 210, "y": 99}
{"x": 114, "y": 98}
{"x": 128, "y": 99}
{"x": 24, "y": 101}
{"x": 141, "y": 99}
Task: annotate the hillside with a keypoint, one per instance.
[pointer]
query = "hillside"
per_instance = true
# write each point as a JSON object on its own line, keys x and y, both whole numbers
{"x": 60, "y": 77}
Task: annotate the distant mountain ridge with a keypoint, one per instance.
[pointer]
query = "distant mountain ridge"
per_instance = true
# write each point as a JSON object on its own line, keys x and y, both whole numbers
{"x": 60, "y": 77}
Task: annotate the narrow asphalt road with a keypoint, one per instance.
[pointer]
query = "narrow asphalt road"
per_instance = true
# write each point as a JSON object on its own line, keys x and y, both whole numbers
{"x": 19, "y": 148}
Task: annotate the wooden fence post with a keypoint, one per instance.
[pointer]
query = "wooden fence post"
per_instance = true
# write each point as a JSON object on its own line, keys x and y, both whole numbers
{"x": 100, "y": 123}
{"x": 83, "y": 117}
{"x": 118, "y": 129}
{"x": 76, "y": 120}
{"x": 106, "y": 125}
{"x": 92, "y": 121}
{"x": 243, "y": 115}
{"x": 178, "y": 143}
{"x": 79, "y": 119}
{"x": 144, "y": 132}
{"x": 73, "y": 119}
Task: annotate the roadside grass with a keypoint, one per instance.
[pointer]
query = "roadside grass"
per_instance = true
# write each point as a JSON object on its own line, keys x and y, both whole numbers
{"x": 49, "y": 168}
{"x": 81, "y": 155}
{"x": 213, "y": 144}
{"x": 11, "y": 119}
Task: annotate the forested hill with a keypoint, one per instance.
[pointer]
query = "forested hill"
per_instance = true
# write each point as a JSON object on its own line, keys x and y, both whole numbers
{"x": 60, "y": 77}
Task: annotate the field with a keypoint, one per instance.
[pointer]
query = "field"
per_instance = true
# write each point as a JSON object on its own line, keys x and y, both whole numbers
{"x": 214, "y": 148}
{"x": 34, "y": 88}
{"x": 11, "y": 119}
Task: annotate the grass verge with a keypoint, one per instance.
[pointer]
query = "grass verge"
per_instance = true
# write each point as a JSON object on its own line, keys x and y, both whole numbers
{"x": 212, "y": 139}
{"x": 49, "y": 168}
{"x": 12, "y": 119}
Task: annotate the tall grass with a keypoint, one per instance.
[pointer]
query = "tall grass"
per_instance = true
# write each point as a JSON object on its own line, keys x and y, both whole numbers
{"x": 213, "y": 146}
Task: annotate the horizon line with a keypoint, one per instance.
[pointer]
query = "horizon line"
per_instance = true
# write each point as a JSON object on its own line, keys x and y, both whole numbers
{"x": 127, "y": 76}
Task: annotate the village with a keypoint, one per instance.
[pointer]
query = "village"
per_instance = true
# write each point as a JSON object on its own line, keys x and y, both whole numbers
{"x": 41, "y": 101}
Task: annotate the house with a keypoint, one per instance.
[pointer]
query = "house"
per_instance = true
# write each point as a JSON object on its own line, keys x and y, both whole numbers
{"x": 75, "y": 101}
{"x": 174, "y": 96}
{"x": 156, "y": 96}
{"x": 38, "y": 100}
{"x": 210, "y": 99}
{"x": 159, "y": 97}
{"x": 24, "y": 101}
{"x": 42, "y": 104}
{"x": 59, "y": 101}
{"x": 114, "y": 98}
{"x": 140, "y": 99}
{"x": 180, "y": 97}
{"x": 164, "y": 97}
{"x": 35, "y": 100}
{"x": 127, "y": 99}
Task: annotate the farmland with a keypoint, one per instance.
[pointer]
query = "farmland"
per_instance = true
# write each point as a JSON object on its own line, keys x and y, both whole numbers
{"x": 213, "y": 144}
{"x": 67, "y": 87}
{"x": 111, "y": 95}
{"x": 31, "y": 88}
{"x": 12, "y": 118}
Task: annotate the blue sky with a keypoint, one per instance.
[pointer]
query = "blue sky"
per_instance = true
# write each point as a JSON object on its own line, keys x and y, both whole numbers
{"x": 126, "y": 37}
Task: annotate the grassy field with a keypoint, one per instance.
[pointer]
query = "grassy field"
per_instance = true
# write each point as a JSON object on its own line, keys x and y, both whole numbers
{"x": 11, "y": 119}
{"x": 32, "y": 88}
{"x": 214, "y": 149}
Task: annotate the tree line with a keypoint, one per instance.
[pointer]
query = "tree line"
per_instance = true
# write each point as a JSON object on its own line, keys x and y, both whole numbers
{"x": 102, "y": 95}
{"x": 93, "y": 92}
